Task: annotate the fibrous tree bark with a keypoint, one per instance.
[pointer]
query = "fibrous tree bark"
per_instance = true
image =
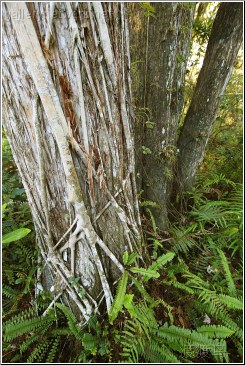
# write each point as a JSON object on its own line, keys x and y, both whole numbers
{"x": 160, "y": 63}
{"x": 223, "y": 46}
{"x": 67, "y": 112}
{"x": 67, "y": 115}
{"x": 166, "y": 163}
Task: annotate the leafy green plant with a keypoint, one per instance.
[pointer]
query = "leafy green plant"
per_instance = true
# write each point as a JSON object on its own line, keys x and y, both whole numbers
{"x": 15, "y": 235}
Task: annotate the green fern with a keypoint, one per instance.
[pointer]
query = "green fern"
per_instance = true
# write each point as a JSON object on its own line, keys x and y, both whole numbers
{"x": 215, "y": 331}
{"x": 26, "y": 344}
{"x": 53, "y": 350}
{"x": 71, "y": 321}
{"x": 153, "y": 221}
{"x": 161, "y": 261}
{"x": 142, "y": 290}
{"x": 183, "y": 238}
{"x": 38, "y": 353}
{"x": 9, "y": 292}
{"x": 28, "y": 313}
{"x": 222, "y": 316}
{"x": 228, "y": 275}
{"x": 142, "y": 339}
{"x": 231, "y": 302}
{"x": 13, "y": 330}
{"x": 146, "y": 273}
{"x": 119, "y": 298}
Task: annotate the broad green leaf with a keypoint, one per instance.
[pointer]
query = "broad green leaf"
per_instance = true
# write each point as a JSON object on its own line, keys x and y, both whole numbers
{"x": 14, "y": 236}
{"x": 129, "y": 305}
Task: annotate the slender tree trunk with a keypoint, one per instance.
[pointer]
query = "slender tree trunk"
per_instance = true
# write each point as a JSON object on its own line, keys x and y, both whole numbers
{"x": 222, "y": 49}
{"x": 67, "y": 115}
{"x": 160, "y": 49}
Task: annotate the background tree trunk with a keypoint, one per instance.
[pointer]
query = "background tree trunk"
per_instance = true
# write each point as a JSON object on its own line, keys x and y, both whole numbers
{"x": 67, "y": 115}
{"x": 160, "y": 49}
{"x": 222, "y": 49}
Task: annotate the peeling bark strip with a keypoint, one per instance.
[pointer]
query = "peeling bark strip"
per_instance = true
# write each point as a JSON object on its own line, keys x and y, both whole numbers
{"x": 87, "y": 183}
{"x": 223, "y": 46}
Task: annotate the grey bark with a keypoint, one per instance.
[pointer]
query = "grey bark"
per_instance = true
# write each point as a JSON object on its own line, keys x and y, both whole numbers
{"x": 160, "y": 49}
{"x": 67, "y": 115}
{"x": 221, "y": 53}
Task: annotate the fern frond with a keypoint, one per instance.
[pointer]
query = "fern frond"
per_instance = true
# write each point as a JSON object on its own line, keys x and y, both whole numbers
{"x": 38, "y": 353}
{"x": 119, "y": 298}
{"x": 71, "y": 321}
{"x": 181, "y": 286}
{"x": 153, "y": 221}
{"x": 26, "y": 344}
{"x": 142, "y": 290}
{"x": 158, "y": 353}
{"x": 28, "y": 313}
{"x": 147, "y": 273}
{"x": 220, "y": 315}
{"x": 182, "y": 239}
{"x": 14, "y": 330}
{"x": 53, "y": 350}
{"x": 228, "y": 275}
{"x": 183, "y": 336}
{"x": 231, "y": 302}
{"x": 215, "y": 331}
{"x": 9, "y": 292}
{"x": 161, "y": 261}
{"x": 211, "y": 212}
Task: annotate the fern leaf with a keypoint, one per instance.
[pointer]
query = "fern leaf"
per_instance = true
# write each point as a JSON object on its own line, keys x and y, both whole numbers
{"x": 53, "y": 350}
{"x": 119, "y": 298}
{"x": 25, "y": 344}
{"x": 153, "y": 222}
{"x": 38, "y": 353}
{"x": 215, "y": 331}
{"x": 142, "y": 290}
{"x": 228, "y": 276}
{"x": 26, "y": 326}
{"x": 231, "y": 302}
{"x": 28, "y": 313}
{"x": 184, "y": 336}
{"x": 155, "y": 353}
{"x": 71, "y": 321}
{"x": 147, "y": 273}
{"x": 9, "y": 292}
{"x": 161, "y": 261}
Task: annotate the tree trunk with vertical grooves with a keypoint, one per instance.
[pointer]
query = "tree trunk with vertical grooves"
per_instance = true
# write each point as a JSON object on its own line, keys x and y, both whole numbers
{"x": 223, "y": 46}
{"x": 160, "y": 49}
{"x": 67, "y": 115}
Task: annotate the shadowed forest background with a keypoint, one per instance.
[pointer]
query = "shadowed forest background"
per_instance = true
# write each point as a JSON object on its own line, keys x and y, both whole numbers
{"x": 156, "y": 276}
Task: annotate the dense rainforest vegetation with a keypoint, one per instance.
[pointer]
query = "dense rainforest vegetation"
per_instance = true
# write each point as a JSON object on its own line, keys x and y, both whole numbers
{"x": 178, "y": 299}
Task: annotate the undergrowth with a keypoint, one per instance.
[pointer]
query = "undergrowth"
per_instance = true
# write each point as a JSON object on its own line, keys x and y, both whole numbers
{"x": 185, "y": 305}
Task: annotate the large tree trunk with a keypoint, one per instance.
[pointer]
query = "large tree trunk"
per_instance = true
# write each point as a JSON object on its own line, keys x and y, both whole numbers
{"x": 160, "y": 49}
{"x": 67, "y": 115}
{"x": 222, "y": 49}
